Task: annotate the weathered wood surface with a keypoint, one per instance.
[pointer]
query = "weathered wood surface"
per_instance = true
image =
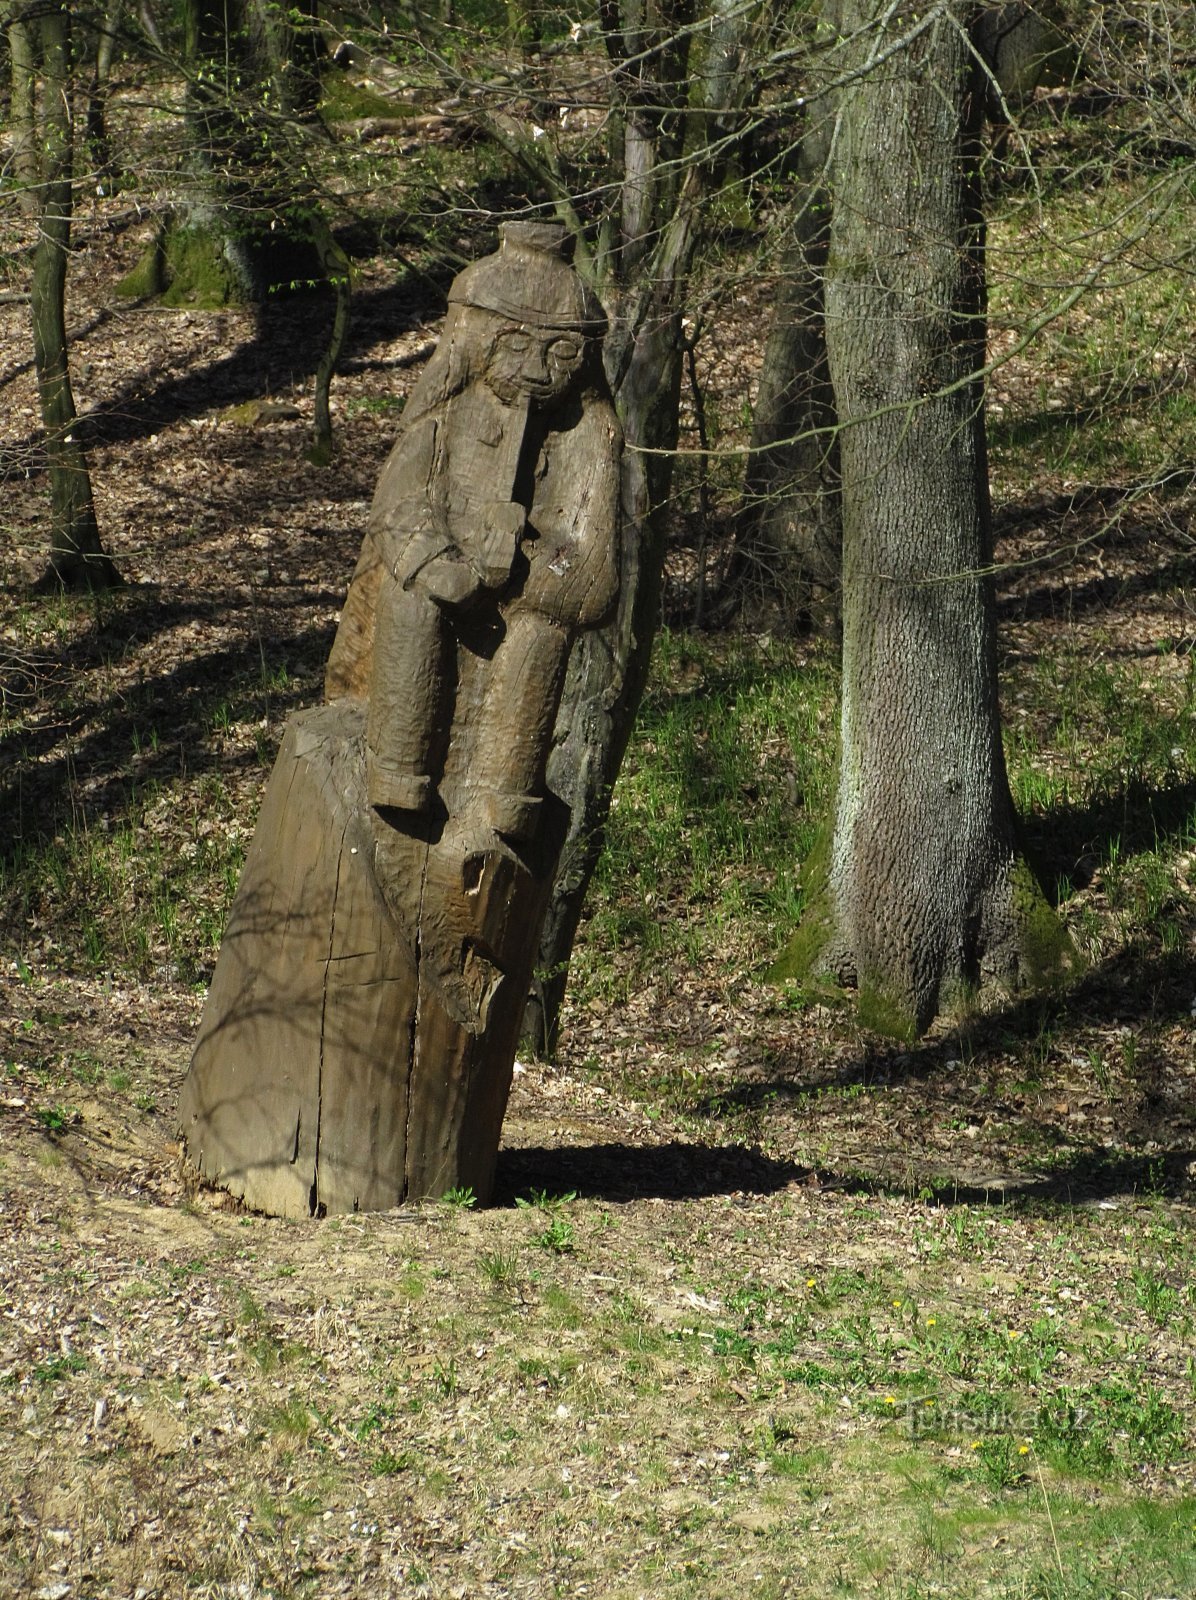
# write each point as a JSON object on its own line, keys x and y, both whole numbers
{"x": 358, "y": 1040}
{"x": 331, "y": 1073}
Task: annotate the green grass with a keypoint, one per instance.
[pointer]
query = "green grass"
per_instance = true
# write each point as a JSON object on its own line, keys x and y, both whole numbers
{"x": 141, "y": 901}
{"x": 715, "y": 809}
{"x": 735, "y": 1437}
{"x": 1099, "y": 397}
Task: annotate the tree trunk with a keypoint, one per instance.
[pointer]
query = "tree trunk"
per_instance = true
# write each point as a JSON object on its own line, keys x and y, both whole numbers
{"x": 788, "y": 550}
{"x": 925, "y": 897}
{"x": 99, "y": 145}
{"x": 642, "y": 279}
{"x": 77, "y": 558}
{"x": 22, "y": 56}
{"x": 251, "y": 72}
{"x": 334, "y": 264}
{"x": 609, "y": 668}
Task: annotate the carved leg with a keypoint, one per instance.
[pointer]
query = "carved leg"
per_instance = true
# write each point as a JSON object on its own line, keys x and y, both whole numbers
{"x": 509, "y": 756}
{"x": 407, "y": 691}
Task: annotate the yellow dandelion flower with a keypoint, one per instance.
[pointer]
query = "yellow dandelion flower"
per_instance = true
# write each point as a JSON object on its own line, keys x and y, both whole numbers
{"x": 1023, "y": 1449}
{"x": 897, "y": 1304}
{"x": 810, "y": 1283}
{"x": 1014, "y": 1334}
{"x": 931, "y": 1321}
{"x": 890, "y": 1400}
{"x": 976, "y": 1445}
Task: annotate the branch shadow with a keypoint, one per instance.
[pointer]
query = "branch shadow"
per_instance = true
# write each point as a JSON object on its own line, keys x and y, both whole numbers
{"x": 963, "y": 1077}
{"x": 1072, "y": 600}
{"x": 1068, "y": 841}
{"x": 288, "y": 344}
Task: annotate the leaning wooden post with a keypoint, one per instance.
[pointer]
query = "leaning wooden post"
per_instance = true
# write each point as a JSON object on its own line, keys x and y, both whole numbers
{"x": 358, "y": 1040}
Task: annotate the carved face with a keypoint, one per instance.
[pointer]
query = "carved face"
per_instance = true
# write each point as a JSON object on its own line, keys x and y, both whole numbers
{"x": 539, "y": 362}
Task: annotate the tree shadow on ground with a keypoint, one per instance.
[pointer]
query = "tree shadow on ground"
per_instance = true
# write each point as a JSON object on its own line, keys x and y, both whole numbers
{"x": 63, "y": 767}
{"x": 1011, "y": 1068}
{"x": 1061, "y": 599}
{"x": 1092, "y": 1175}
{"x": 1029, "y": 429}
{"x": 1069, "y": 841}
{"x": 625, "y": 1172}
{"x": 288, "y": 342}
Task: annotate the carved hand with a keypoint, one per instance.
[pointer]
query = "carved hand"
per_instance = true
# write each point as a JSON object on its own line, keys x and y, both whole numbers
{"x": 503, "y": 525}
{"x": 448, "y": 578}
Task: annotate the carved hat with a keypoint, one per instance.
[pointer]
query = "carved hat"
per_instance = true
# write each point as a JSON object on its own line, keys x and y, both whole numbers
{"x": 529, "y": 279}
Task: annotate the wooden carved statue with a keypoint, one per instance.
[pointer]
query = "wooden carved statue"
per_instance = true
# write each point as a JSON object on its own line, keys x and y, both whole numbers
{"x": 357, "y": 1043}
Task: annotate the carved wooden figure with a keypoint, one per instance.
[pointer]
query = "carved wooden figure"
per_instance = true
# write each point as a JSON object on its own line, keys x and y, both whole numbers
{"x": 358, "y": 1040}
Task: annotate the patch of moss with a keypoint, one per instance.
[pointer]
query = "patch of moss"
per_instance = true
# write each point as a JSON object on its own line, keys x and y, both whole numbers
{"x": 148, "y": 278}
{"x": 879, "y": 1012}
{"x": 343, "y": 101}
{"x": 198, "y": 272}
{"x": 1048, "y": 956}
{"x": 798, "y": 962}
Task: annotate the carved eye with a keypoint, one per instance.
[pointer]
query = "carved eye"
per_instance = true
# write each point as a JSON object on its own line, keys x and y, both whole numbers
{"x": 518, "y": 344}
{"x": 564, "y": 352}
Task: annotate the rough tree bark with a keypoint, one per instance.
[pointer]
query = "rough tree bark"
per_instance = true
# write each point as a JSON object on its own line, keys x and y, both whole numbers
{"x": 789, "y": 539}
{"x": 925, "y": 898}
{"x": 41, "y": 59}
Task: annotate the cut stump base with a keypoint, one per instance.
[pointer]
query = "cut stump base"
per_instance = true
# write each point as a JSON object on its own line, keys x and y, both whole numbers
{"x": 344, "y": 1062}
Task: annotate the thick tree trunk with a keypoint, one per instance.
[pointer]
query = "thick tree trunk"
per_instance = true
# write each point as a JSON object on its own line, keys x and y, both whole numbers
{"x": 77, "y": 558}
{"x": 926, "y": 898}
{"x": 252, "y": 70}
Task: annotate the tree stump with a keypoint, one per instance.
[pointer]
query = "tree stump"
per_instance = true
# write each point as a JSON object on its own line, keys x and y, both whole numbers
{"x": 359, "y": 1036}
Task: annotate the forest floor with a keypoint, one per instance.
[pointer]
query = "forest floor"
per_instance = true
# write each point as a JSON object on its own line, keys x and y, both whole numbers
{"x": 765, "y": 1306}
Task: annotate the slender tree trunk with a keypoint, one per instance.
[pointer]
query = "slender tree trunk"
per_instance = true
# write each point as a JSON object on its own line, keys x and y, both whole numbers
{"x": 334, "y": 264}
{"x": 98, "y": 144}
{"x": 926, "y": 898}
{"x": 644, "y": 352}
{"x": 77, "y": 558}
{"x": 22, "y": 54}
{"x": 788, "y": 549}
